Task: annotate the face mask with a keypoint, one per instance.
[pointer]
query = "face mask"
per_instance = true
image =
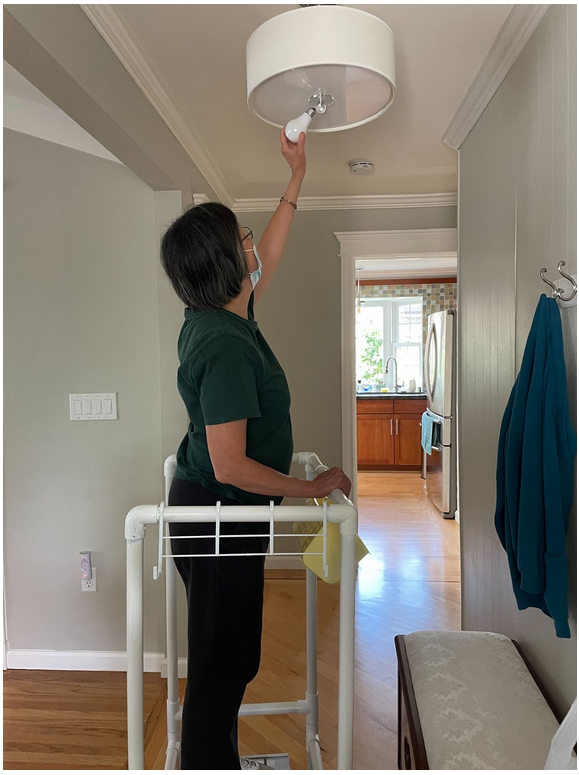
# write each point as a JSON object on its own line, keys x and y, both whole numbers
{"x": 256, "y": 274}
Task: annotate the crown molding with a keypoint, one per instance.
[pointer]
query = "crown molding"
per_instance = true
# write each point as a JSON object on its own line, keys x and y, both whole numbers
{"x": 116, "y": 34}
{"x": 519, "y": 25}
{"x": 351, "y": 202}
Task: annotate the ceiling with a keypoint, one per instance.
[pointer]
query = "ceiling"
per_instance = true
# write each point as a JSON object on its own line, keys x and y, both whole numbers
{"x": 28, "y": 110}
{"x": 16, "y": 85}
{"x": 197, "y": 54}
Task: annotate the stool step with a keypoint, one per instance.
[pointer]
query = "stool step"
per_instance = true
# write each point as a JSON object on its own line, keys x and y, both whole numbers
{"x": 277, "y": 761}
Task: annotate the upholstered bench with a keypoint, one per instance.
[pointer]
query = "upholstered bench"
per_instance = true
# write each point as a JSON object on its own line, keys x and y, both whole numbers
{"x": 469, "y": 701}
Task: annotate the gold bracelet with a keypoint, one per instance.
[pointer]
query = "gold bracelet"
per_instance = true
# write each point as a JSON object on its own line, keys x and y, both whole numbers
{"x": 293, "y": 204}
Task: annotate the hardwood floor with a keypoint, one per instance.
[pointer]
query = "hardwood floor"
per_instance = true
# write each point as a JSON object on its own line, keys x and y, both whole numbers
{"x": 410, "y": 581}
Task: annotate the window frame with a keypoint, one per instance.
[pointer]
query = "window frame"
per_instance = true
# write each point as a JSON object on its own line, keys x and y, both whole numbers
{"x": 390, "y": 306}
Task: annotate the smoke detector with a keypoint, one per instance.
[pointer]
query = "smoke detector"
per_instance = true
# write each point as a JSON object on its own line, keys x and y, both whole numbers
{"x": 361, "y": 167}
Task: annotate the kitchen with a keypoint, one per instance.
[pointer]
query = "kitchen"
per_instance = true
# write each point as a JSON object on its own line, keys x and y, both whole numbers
{"x": 405, "y": 376}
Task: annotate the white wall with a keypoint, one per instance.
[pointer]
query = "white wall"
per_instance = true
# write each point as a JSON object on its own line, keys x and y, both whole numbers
{"x": 517, "y": 214}
{"x": 82, "y": 289}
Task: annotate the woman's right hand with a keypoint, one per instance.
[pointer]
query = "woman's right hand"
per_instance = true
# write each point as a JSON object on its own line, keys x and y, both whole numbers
{"x": 333, "y": 479}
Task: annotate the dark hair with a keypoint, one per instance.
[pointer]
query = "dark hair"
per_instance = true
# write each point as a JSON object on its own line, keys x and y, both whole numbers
{"x": 202, "y": 255}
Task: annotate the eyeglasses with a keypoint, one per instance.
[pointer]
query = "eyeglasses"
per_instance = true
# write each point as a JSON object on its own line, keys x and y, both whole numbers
{"x": 247, "y": 233}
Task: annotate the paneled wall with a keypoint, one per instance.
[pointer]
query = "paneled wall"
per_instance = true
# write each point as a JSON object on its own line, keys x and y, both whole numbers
{"x": 517, "y": 214}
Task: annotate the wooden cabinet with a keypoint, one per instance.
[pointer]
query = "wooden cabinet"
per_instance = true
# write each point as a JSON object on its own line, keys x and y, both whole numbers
{"x": 375, "y": 440}
{"x": 389, "y": 433}
{"x": 407, "y": 446}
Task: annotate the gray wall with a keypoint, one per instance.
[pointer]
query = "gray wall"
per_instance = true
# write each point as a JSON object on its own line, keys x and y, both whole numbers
{"x": 517, "y": 214}
{"x": 300, "y": 313}
{"x": 88, "y": 309}
{"x": 81, "y": 287}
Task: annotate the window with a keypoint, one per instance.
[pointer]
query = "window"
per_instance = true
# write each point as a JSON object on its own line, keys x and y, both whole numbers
{"x": 370, "y": 344}
{"x": 384, "y": 328}
{"x": 407, "y": 339}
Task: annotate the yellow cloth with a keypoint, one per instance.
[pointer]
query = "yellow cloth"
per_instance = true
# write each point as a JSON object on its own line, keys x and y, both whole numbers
{"x": 311, "y": 545}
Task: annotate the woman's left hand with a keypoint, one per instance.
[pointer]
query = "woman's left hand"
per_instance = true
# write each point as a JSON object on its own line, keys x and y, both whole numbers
{"x": 294, "y": 153}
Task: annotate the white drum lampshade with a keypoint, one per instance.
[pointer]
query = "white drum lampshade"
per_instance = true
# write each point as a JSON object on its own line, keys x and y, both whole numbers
{"x": 334, "y": 58}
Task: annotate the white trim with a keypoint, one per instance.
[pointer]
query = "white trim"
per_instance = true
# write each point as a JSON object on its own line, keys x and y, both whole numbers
{"x": 116, "y": 34}
{"x": 363, "y": 244}
{"x": 409, "y": 274}
{"x": 386, "y": 201}
{"x": 47, "y": 659}
{"x": 348, "y": 336}
{"x": 519, "y": 25}
{"x": 370, "y": 202}
{"x": 181, "y": 668}
{"x": 4, "y": 621}
{"x": 419, "y": 243}
{"x": 200, "y": 199}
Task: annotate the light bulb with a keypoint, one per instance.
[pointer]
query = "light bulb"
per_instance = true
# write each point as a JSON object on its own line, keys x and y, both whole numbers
{"x": 298, "y": 125}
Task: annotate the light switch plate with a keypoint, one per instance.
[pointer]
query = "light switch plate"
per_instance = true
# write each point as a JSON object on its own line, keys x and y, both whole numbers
{"x": 93, "y": 406}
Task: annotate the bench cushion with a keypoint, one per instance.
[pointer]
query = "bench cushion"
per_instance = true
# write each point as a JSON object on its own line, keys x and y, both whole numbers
{"x": 479, "y": 706}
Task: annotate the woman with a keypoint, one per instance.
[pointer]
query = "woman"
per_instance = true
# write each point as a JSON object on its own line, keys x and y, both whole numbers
{"x": 237, "y": 450}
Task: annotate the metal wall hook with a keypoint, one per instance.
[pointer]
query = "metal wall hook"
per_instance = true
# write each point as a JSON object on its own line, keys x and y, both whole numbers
{"x": 558, "y": 292}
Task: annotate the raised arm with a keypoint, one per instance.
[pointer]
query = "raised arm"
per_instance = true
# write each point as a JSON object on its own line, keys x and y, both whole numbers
{"x": 272, "y": 243}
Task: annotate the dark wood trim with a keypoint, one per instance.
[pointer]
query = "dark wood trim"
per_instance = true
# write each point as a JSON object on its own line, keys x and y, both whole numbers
{"x": 540, "y": 684}
{"x": 408, "y": 281}
{"x": 416, "y": 738}
{"x": 399, "y": 705}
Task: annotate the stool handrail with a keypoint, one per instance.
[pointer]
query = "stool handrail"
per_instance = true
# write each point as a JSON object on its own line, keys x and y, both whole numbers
{"x": 341, "y": 510}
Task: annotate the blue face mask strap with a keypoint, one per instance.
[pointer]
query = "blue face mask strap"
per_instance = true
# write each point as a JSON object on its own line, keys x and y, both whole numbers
{"x": 256, "y": 274}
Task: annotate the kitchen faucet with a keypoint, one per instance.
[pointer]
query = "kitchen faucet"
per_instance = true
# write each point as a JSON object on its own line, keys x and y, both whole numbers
{"x": 392, "y": 358}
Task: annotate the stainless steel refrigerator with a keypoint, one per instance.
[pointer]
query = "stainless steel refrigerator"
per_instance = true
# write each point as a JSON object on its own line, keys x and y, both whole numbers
{"x": 439, "y": 469}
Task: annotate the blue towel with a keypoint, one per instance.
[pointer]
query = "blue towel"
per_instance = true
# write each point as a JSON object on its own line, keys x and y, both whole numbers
{"x": 537, "y": 447}
{"x": 430, "y": 432}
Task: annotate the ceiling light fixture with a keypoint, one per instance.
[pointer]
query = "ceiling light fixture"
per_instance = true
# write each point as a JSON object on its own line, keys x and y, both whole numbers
{"x": 329, "y": 62}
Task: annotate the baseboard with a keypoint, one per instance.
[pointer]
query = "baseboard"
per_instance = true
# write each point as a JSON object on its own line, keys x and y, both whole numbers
{"x": 102, "y": 661}
{"x": 182, "y": 670}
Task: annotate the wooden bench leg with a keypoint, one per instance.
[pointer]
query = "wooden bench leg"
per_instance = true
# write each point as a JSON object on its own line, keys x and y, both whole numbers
{"x": 411, "y": 748}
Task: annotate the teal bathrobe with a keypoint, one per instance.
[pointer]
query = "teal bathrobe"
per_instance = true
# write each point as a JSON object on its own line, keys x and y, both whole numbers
{"x": 537, "y": 447}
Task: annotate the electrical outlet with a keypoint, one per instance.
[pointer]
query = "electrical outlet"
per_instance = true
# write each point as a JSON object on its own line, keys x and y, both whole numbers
{"x": 90, "y": 585}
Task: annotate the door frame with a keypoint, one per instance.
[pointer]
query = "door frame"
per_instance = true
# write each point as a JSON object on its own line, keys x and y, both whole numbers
{"x": 429, "y": 244}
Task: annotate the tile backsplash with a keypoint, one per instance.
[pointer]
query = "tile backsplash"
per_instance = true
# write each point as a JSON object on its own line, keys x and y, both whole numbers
{"x": 435, "y": 296}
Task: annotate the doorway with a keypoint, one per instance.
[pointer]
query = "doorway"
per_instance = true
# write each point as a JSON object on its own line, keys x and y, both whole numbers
{"x": 391, "y": 283}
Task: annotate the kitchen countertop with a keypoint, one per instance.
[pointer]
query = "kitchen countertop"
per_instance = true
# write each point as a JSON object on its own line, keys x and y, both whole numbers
{"x": 362, "y": 396}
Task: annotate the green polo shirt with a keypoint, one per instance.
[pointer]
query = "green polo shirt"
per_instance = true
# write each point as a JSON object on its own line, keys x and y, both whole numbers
{"x": 228, "y": 372}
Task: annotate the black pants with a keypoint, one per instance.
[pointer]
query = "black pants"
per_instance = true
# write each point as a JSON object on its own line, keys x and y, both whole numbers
{"x": 225, "y": 606}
